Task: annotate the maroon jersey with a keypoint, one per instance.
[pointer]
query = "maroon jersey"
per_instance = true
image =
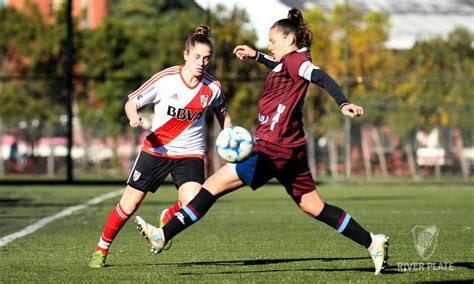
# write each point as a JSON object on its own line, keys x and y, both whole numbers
{"x": 280, "y": 107}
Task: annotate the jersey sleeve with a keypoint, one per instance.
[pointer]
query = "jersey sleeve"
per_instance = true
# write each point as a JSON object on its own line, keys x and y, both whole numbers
{"x": 266, "y": 60}
{"x": 314, "y": 74}
{"x": 146, "y": 94}
{"x": 219, "y": 104}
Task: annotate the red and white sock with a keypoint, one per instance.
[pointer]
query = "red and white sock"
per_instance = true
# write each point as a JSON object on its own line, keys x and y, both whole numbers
{"x": 170, "y": 213}
{"x": 115, "y": 222}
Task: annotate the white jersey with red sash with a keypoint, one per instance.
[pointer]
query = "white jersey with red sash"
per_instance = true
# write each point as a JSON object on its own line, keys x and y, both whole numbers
{"x": 179, "y": 112}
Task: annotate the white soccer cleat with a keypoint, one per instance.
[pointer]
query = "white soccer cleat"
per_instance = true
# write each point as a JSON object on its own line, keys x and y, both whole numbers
{"x": 379, "y": 251}
{"x": 154, "y": 235}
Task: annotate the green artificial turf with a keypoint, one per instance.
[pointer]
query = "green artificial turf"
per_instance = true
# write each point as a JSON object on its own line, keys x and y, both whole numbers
{"x": 247, "y": 237}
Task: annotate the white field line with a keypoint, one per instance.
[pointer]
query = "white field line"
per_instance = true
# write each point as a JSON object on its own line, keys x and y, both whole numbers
{"x": 65, "y": 212}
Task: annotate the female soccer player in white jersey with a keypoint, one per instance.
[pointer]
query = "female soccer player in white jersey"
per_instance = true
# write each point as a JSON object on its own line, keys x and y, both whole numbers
{"x": 279, "y": 150}
{"x": 176, "y": 143}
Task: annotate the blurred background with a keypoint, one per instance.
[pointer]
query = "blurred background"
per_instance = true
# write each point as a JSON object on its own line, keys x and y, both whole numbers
{"x": 67, "y": 66}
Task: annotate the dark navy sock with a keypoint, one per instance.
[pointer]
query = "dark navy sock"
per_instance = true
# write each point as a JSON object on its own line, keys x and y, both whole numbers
{"x": 189, "y": 213}
{"x": 344, "y": 224}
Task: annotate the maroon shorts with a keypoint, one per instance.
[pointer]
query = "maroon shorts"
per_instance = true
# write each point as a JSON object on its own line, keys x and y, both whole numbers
{"x": 288, "y": 165}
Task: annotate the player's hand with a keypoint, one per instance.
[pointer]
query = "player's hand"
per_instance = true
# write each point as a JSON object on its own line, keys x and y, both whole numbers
{"x": 243, "y": 51}
{"x": 352, "y": 110}
{"x": 136, "y": 121}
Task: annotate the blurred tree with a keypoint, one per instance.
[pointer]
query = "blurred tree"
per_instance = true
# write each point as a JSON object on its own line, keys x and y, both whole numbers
{"x": 147, "y": 9}
{"x": 34, "y": 54}
{"x": 228, "y": 30}
{"x": 135, "y": 42}
{"x": 439, "y": 73}
{"x": 441, "y": 93}
{"x": 450, "y": 67}
{"x": 367, "y": 59}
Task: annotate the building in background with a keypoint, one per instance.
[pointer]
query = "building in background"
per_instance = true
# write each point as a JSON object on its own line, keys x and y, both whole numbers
{"x": 92, "y": 12}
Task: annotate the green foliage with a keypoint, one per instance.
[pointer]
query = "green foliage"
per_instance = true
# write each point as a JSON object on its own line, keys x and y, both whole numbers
{"x": 243, "y": 106}
{"x": 227, "y": 32}
{"x": 441, "y": 72}
{"x": 124, "y": 53}
{"x": 140, "y": 38}
{"x": 38, "y": 51}
{"x": 367, "y": 58}
{"x": 435, "y": 76}
{"x": 148, "y": 9}
{"x": 14, "y": 34}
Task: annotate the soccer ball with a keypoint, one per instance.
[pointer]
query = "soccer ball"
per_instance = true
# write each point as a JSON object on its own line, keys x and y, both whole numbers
{"x": 234, "y": 144}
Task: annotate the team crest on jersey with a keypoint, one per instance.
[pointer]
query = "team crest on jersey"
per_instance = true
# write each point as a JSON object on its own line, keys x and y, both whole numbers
{"x": 204, "y": 100}
{"x": 136, "y": 175}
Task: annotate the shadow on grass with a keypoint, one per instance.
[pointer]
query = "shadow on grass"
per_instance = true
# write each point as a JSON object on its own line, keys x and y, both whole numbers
{"x": 368, "y": 270}
{"x": 389, "y": 270}
{"x": 264, "y": 261}
{"x": 257, "y": 262}
{"x": 253, "y": 262}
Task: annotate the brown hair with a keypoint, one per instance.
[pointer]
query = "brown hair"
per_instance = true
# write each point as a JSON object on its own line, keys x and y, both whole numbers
{"x": 201, "y": 35}
{"x": 295, "y": 25}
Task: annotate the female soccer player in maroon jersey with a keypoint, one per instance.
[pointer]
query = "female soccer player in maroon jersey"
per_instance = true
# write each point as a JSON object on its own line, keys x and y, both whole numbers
{"x": 279, "y": 150}
{"x": 175, "y": 145}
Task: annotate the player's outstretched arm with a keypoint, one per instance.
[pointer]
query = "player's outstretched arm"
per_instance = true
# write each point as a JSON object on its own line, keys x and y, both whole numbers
{"x": 244, "y": 51}
{"x": 325, "y": 81}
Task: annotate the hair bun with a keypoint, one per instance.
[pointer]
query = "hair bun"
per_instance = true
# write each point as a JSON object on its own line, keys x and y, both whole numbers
{"x": 294, "y": 15}
{"x": 204, "y": 30}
